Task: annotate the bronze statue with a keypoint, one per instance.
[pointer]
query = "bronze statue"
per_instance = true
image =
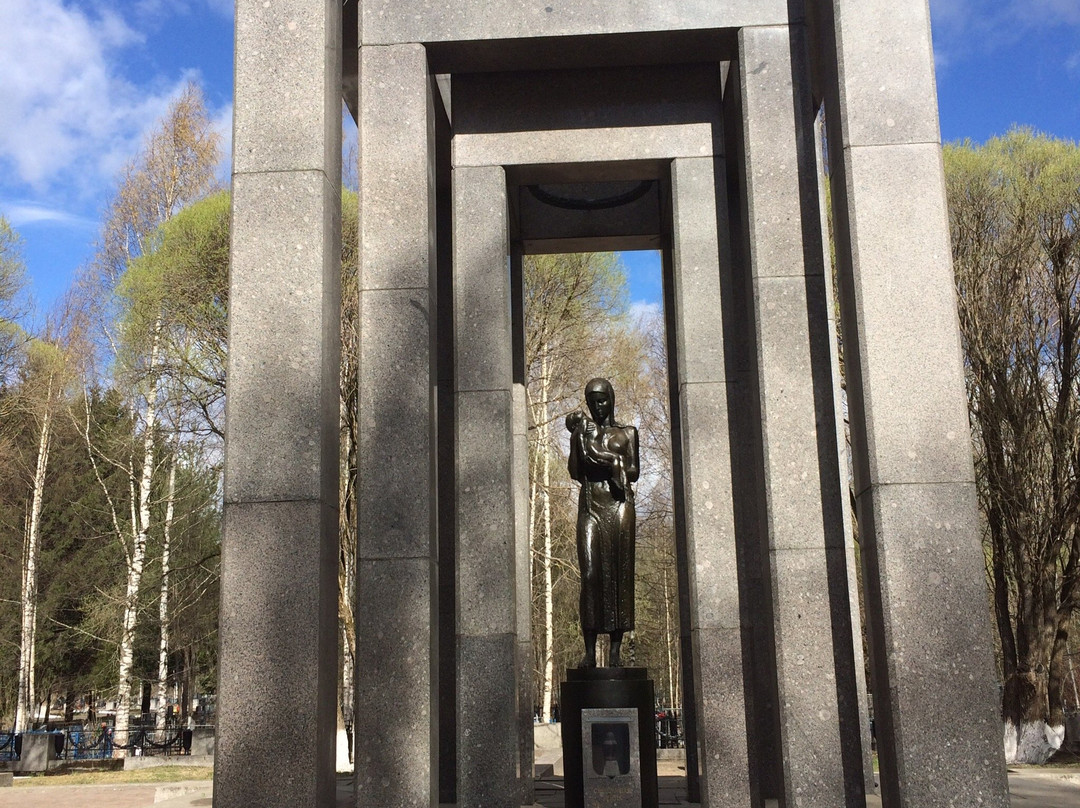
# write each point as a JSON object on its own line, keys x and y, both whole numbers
{"x": 604, "y": 459}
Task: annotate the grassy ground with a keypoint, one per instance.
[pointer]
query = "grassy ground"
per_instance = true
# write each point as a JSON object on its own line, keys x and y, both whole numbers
{"x": 157, "y": 774}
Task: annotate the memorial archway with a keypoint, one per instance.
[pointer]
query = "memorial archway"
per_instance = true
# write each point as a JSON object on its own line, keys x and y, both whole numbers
{"x": 461, "y": 108}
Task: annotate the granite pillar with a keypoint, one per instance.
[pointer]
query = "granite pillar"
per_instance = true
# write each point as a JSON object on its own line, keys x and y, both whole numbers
{"x": 855, "y": 687}
{"x": 801, "y": 511}
{"x": 397, "y": 584}
{"x": 935, "y": 688}
{"x": 701, "y": 255}
{"x": 278, "y": 617}
{"x": 523, "y": 608}
{"x": 487, "y": 512}
{"x": 526, "y": 684}
{"x": 447, "y": 506}
{"x": 687, "y": 669}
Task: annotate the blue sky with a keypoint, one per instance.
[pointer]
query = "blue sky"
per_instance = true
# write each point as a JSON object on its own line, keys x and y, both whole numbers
{"x": 82, "y": 80}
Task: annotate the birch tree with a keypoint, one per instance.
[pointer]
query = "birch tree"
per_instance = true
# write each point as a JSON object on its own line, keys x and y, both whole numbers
{"x": 43, "y": 385}
{"x": 349, "y": 393}
{"x": 175, "y": 167}
{"x": 163, "y": 602}
{"x": 1014, "y": 212}
{"x": 184, "y": 282}
{"x": 42, "y": 392}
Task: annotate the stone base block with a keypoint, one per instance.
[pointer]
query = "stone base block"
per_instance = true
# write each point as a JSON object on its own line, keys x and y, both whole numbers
{"x": 608, "y": 738}
{"x": 38, "y": 750}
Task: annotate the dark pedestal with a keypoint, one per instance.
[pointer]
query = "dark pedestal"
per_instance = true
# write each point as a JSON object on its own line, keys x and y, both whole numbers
{"x": 609, "y": 741}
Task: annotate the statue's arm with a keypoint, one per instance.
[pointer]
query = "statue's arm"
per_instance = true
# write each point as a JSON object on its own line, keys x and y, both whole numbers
{"x": 632, "y": 459}
{"x": 577, "y": 452}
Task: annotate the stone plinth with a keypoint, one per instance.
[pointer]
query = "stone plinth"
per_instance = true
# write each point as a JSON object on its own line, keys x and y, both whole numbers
{"x": 38, "y": 750}
{"x": 609, "y": 738}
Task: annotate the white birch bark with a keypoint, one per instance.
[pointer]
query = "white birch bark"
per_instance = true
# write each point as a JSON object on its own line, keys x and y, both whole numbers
{"x": 1072, "y": 675}
{"x": 346, "y": 571}
{"x": 26, "y": 699}
{"x": 23, "y": 697}
{"x": 137, "y": 558}
{"x": 549, "y": 601}
{"x": 544, "y": 447}
{"x": 669, "y": 642}
{"x": 163, "y": 604}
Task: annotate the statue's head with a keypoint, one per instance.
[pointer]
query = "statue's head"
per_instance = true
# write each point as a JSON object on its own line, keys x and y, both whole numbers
{"x": 600, "y": 396}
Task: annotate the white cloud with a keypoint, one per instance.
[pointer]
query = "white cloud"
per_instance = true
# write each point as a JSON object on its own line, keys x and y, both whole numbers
{"x": 645, "y": 310}
{"x": 961, "y": 26}
{"x": 966, "y": 28}
{"x": 1049, "y": 11}
{"x": 149, "y": 10}
{"x": 226, "y": 8}
{"x": 950, "y": 11}
{"x": 21, "y": 214}
{"x": 68, "y": 114}
{"x": 223, "y": 125}
{"x": 1072, "y": 64}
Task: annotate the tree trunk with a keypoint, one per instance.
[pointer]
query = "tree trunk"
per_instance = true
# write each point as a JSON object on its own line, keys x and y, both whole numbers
{"x": 1072, "y": 677}
{"x": 185, "y": 685}
{"x": 1031, "y": 703}
{"x": 549, "y": 602}
{"x": 43, "y": 716}
{"x": 163, "y": 605}
{"x": 534, "y": 493}
{"x": 347, "y": 565}
{"x": 136, "y": 561}
{"x": 1056, "y": 681}
{"x": 669, "y": 642}
{"x": 26, "y": 699}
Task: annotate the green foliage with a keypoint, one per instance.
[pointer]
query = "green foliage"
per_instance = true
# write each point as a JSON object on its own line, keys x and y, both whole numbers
{"x": 178, "y": 295}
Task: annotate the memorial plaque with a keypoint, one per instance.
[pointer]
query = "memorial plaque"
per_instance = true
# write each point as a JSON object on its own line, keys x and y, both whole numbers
{"x": 611, "y": 759}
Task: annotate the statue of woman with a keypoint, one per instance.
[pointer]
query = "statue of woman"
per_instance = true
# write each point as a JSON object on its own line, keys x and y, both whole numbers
{"x": 604, "y": 459}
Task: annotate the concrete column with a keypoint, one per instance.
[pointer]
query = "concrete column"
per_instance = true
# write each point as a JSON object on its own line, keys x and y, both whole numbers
{"x": 487, "y": 746}
{"x": 278, "y": 625}
{"x": 447, "y": 518}
{"x": 801, "y": 513}
{"x": 935, "y": 695}
{"x": 853, "y": 688}
{"x": 522, "y": 538}
{"x": 523, "y": 582}
{"x": 701, "y": 254}
{"x": 397, "y": 594}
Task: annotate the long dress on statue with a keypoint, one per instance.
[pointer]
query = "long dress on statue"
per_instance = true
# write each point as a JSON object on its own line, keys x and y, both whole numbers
{"x": 606, "y": 525}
